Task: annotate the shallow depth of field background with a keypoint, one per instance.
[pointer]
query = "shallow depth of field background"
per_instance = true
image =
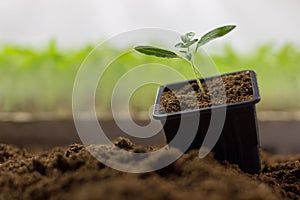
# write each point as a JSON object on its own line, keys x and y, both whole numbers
{"x": 43, "y": 43}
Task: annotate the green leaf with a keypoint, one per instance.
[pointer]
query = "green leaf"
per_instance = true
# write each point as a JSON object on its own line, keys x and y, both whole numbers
{"x": 190, "y": 35}
{"x": 180, "y": 45}
{"x": 192, "y": 42}
{"x": 154, "y": 51}
{"x": 218, "y": 32}
{"x": 188, "y": 56}
{"x": 184, "y": 38}
{"x": 182, "y": 51}
{"x": 187, "y": 37}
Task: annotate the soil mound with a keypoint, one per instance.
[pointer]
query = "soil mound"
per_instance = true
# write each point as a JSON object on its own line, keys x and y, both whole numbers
{"x": 73, "y": 173}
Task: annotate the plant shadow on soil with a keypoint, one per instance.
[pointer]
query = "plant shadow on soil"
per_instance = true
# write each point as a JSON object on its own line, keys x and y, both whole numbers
{"x": 72, "y": 173}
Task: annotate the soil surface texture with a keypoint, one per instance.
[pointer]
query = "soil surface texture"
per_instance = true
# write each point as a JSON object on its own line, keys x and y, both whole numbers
{"x": 236, "y": 88}
{"x": 73, "y": 173}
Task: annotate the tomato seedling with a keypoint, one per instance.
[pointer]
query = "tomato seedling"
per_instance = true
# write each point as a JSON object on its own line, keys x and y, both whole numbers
{"x": 188, "y": 48}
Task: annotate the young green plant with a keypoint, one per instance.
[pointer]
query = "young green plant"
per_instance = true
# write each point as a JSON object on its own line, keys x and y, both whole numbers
{"x": 188, "y": 48}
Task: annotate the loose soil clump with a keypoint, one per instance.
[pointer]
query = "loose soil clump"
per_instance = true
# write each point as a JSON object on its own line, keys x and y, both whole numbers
{"x": 73, "y": 173}
{"x": 235, "y": 88}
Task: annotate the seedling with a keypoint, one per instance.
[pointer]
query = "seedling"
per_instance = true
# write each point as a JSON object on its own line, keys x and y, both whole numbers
{"x": 188, "y": 48}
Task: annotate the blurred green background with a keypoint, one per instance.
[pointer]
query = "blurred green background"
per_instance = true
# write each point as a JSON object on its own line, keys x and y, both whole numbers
{"x": 39, "y": 80}
{"x": 37, "y": 73}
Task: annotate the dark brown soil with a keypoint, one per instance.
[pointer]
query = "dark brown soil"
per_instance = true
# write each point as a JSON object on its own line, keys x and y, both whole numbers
{"x": 237, "y": 87}
{"x": 72, "y": 173}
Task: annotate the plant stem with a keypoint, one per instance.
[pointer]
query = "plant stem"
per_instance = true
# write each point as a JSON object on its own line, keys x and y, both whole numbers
{"x": 196, "y": 71}
{"x": 197, "y": 75}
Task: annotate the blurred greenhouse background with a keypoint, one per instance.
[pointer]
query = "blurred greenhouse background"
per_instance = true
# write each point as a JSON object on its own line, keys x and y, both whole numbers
{"x": 43, "y": 43}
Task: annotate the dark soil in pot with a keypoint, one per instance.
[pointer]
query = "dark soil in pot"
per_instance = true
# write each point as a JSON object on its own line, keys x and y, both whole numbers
{"x": 72, "y": 173}
{"x": 238, "y": 88}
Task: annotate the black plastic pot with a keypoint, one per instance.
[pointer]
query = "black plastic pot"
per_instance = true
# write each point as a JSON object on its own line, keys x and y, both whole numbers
{"x": 239, "y": 140}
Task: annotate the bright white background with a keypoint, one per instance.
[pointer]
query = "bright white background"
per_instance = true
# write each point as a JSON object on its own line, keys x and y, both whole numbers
{"x": 77, "y": 22}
